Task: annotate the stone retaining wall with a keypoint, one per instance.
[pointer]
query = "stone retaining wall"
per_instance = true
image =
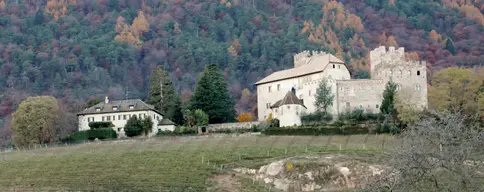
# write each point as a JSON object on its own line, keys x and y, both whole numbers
{"x": 239, "y": 125}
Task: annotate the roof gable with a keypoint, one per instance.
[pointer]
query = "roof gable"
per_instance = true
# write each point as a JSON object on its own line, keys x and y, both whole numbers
{"x": 314, "y": 65}
{"x": 118, "y": 106}
{"x": 289, "y": 99}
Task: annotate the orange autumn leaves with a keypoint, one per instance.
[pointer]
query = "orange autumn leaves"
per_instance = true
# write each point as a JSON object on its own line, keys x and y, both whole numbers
{"x": 131, "y": 34}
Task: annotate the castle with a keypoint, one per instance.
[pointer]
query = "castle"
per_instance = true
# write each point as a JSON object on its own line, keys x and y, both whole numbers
{"x": 289, "y": 93}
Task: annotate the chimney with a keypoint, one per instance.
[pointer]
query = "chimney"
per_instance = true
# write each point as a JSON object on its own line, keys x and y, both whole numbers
{"x": 106, "y": 100}
{"x": 293, "y": 90}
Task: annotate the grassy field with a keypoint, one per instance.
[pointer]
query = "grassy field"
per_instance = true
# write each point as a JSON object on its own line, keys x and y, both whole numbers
{"x": 161, "y": 164}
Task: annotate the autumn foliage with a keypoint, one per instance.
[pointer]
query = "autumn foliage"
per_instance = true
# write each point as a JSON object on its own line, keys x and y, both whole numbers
{"x": 245, "y": 117}
{"x": 131, "y": 34}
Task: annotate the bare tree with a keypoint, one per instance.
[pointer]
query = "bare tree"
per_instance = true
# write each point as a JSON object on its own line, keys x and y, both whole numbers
{"x": 438, "y": 153}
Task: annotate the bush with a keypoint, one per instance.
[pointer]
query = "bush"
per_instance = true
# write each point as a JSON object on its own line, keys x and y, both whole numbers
{"x": 317, "y": 131}
{"x": 102, "y": 133}
{"x": 100, "y": 125}
{"x": 358, "y": 115}
{"x": 165, "y": 133}
{"x": 316, "y": 117}
{"x": 274, "y": 123}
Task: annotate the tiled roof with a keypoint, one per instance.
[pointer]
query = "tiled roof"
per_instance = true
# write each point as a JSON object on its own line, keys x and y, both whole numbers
{"x": 166, "y": 121}
{"x": 290, "y": 98}
{"x": 308, "y": 68}
{"x": 122, "y": 106}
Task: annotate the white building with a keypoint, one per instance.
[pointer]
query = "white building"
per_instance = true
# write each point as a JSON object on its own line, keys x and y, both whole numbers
{"x": 118, "y": 113}
{"x": 288, "y": 110}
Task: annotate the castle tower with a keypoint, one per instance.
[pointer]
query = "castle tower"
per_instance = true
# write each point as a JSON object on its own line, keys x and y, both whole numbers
{"x": 410, "y": 76}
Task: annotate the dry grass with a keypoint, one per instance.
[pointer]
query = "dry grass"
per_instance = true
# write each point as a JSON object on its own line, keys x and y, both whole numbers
{"x": 161, "y": 164}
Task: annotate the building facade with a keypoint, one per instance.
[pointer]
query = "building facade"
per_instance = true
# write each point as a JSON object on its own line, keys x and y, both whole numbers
{"x": 312, "y": 67}
{"x": 119, "y": 112}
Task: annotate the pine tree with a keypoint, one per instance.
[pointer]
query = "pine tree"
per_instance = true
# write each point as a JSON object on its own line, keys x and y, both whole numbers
{"x": 212, "y": 96}
{"x": 450, "y": 46}
{"x": 324, "y": 97}
{"x": 165, "y": 98}
{"x": 387, "y": 105}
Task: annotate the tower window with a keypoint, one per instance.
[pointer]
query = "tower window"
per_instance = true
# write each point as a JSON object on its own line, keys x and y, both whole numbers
{"x": 418, "y": 73}
{"x": 339, "y": 66}
{"x": 269, "y": 89}
{"x": 309, "y": 92}
{"x": 278, "y": 87}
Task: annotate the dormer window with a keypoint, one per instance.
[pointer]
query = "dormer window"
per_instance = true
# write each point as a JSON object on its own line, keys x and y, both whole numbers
{"x": 98, "y": 109}
{"x": 131, "y": 107}
{"x": 115, "y": 108}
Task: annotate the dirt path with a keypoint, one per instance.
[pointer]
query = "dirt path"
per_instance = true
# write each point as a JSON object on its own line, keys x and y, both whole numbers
{"x": 225, "y": 183}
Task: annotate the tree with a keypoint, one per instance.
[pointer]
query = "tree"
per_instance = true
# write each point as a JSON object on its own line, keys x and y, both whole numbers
{"x": 450, "y": 46}
{"x": 407, "y": 112}
{"x": 456, "y": 90}
{"x": 164, "y": 96}
{"x": 134, "y": 127}
{"x": 388, "y": 104}
{"x": 35, "y": 121}
{"x": 196, "y": 118}
{"x": 324, "y": 97}
{"x": 92, "y": 102}
{"x": 212, "y": 96}
{"x": 147, "y": 125}
{"x": 441, "y": 152}
{"x": 245, "y": 117}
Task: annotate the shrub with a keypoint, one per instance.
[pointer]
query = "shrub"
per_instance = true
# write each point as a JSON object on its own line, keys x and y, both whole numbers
{"x": 245, "y": 117}
{"x": 316, "y": 117}
{"x": 274, "y": 123}
{"x": 102, "y": 133}
{"x": 100, "y": 125}
{"x": 133, "y": 127}
{"x": 254, "y": 128}
{"x": 165, "y": 133}
{"x": 316, "y": 131}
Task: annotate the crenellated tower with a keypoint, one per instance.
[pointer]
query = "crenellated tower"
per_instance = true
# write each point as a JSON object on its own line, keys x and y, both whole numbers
{"x": 304, "y": 57}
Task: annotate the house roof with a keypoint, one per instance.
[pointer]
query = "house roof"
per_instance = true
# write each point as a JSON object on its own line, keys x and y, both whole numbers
{"x": 310, "y": 67}
{"x": 289, "y": 99}
{"x": 166, "y": 121}
{"x": 121, "y": 105}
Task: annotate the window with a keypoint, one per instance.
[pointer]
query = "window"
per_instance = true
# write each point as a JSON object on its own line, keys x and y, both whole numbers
{"x": 276, "y": 110}
{"x": 90, "y": 119}
{"x": 398, "y": 87}
{"x": 269, "y": 89}
{"x": 154, "y": 116}
{"x": 417, "y": 87}
{"x": 158, "y": 118}
{"x": 339, "y": 66}
{"x": 333, "y": 66}
{"x": 288, "y": 107}
{"x": 103, "y": 118}
{"x": 278, "y": 87}
{"x": 159, "y": 130}
{"x": 418, "y": 73}
{"x": 361, "y": 106}
{"x": 268, "y": 105}
{"x": 144, "y": 115}
{"x": 297, "y": 110}
{"x": 348, "y": 104}
{"x": 124, "y": 117}
{"x": 98, "y": 109}
{"x": 115, "y": 108}
{"x": 139, "y": 115}
{"x": 309, "y": 92}
{"x": 114, "y": 117}
{"x": 131, "y": 107}
{"x": 119, "y": 129}
{"x": 377, "y": 106}
{"x": 108, "y": 118}
{"x": 119, "y": 117}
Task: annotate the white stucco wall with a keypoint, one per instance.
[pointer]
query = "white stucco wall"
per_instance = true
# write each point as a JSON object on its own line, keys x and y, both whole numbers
{"x": 119, "y": 123}
{"x": 305, "y": 88}
{"x": 288, "y": 115}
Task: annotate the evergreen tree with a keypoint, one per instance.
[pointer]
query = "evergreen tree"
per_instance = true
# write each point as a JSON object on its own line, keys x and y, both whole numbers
{"x": 212, "y": 96}
{"x": 133, "y": 127}
{"x": 164, "y": 97}
{"x": 147, "y": 125}
{"x": 324, "y": 97}
{"x": 450, "y": 46}
{"x": 387, "y": 105}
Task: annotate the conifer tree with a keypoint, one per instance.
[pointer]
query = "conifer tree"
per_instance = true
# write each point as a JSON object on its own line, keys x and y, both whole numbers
{"x": 212, "y": 96}
{"x": 387, "y": 105}
{"x": 324, "y": 97}
{"x": 164, "y": 97}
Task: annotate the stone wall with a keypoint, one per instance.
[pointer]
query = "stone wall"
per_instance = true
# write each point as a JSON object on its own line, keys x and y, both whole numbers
{"x": 239, "y": 125}
{"x": 366, "y": 94}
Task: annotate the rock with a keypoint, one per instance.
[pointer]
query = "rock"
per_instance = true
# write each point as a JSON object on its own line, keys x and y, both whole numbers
{"x": 281, "y": 184}
{"x": 275, "y": 168}
{"x": 309, "y": 175}
{"x": 268, "y": 180}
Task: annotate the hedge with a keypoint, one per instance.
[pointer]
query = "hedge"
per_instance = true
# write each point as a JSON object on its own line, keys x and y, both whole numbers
{"x": 103, "y": 133}
{"x": 316, "y": 131}
{"x": 100, "y": 124}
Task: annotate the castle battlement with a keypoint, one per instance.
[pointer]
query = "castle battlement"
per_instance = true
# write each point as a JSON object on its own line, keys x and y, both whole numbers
{"x": 304, "y": 57}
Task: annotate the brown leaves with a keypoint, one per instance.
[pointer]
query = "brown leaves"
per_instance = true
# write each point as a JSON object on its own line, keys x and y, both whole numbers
{"x": 235, "y": 48}
{"x": 245, "y": 117}
{"x": 131, "y": 34}
{"x": 57, "y": 8}
{"x": 434, "y": 36}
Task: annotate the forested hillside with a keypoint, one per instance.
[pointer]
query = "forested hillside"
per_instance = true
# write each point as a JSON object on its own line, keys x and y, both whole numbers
{"x": 80, "y": 49}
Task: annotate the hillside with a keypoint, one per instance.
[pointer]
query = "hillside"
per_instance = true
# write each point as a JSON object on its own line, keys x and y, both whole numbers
{"x": 80, "y": 49}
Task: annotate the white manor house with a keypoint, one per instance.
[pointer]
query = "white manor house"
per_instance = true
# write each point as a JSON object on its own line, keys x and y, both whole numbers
{"x": 118, "y": 113}
{"x": 289, "y": 93}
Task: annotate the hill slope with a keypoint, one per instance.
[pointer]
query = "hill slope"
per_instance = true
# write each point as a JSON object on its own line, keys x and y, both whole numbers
{"x": 76, "y": 49}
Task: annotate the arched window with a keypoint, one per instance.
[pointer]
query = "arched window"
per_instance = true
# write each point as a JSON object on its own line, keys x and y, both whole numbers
{"x": 398, "y": 87}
